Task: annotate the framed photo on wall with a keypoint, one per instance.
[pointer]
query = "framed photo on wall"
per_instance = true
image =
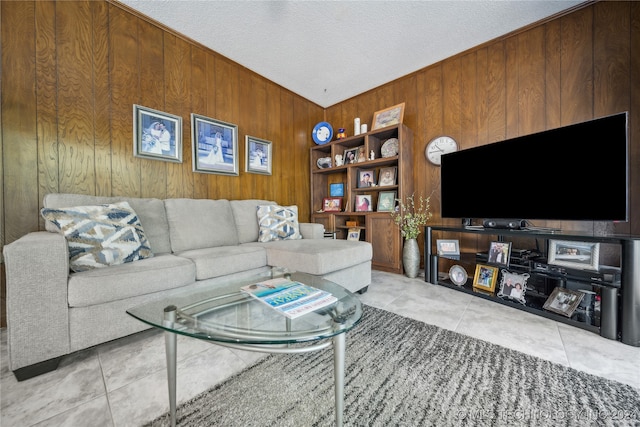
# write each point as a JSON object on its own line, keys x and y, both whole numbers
{"x": 485, "y": 277}
{"x": 388, "y": 117}
{"x": 215, "y": 146}
{"x": 157, "y": 135}
{"x": 580, "y": 255}
{"x": 258, "y": 157}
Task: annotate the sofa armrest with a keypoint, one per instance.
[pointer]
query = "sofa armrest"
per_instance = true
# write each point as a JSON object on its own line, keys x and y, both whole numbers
{"x": 311, "y": 230}
{"x": 37, "y": 271}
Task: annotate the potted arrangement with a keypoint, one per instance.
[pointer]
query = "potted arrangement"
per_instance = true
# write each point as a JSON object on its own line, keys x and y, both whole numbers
{"x": 411, "y": 216}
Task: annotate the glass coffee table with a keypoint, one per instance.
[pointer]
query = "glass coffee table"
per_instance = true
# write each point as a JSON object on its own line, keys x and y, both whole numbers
{"x": 224, "y": 315}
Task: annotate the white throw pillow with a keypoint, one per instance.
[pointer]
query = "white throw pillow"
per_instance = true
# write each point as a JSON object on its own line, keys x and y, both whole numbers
{"x": 278, "y": 223}
{"x": 101, "y": 235}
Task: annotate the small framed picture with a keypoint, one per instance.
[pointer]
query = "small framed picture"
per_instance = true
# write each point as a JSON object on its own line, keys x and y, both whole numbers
{"x": 580, "y": 255}
{"x": 353, "y": 234}
{"x": 499, "y": 253}
{"x": 350, "y": 156}
{"x": 448, "y": 248}
{"x": 215, "y": 146}
{"x": 563, "y": 301}
{"x": 513, "y": 286}
{"x": 366, "y": 178}
{"x": 258, "y": 157}
{"x": 157, "y": 135}
{"x": 388, "y": 117}
{"x": 361, "y": 156}
{"x": 387, "y": 176}
{"x": 332, "y": 204}
{"x": 458, "y": 275}
{"x": 386, "y": 201}
{"x": 363, "y": 203}
{"x": 336, "y": 190}
{"x": 485, "y": 277}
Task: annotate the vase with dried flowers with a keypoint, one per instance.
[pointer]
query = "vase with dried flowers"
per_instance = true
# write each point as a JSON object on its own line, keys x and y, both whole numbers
{"x": 411, "y": 216}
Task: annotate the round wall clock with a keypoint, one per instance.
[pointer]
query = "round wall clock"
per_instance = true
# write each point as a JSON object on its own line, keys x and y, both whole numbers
{"x": 458, "y": 275}
{"x": 439, "y": 146}
{"x": 322, "y": 133}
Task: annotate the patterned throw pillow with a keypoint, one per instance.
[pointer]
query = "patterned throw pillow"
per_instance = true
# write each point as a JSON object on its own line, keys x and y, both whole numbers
{"x": 278, "y": 223}
{"x": 101, "y": 235}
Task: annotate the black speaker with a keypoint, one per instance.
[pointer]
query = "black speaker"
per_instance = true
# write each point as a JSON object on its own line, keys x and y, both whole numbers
{"x": 513, "y": 224}
{"x": 466, "y": 222}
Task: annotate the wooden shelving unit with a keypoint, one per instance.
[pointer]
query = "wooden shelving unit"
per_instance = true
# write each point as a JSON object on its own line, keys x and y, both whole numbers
{"x": 375, "y": 227}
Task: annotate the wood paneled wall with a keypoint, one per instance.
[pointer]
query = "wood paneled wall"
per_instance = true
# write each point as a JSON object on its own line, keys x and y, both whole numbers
{"x": 572, "y": 68}
{"x": 71, "y": 72}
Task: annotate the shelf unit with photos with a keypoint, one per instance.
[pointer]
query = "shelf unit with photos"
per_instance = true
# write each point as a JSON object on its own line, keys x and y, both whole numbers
{"x": 616, "y": 289}
{"x": 375, "y": 227}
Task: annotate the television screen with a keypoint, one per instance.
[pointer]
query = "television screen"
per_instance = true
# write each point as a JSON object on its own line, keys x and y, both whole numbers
{"x": 575, "y": 173}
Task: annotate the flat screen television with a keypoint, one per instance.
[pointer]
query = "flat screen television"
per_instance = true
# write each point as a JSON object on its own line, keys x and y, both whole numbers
{"x": 578, "y": 172}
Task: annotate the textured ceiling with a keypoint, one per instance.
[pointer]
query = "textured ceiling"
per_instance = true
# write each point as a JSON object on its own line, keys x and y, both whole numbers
{"x": 328, "y": 51}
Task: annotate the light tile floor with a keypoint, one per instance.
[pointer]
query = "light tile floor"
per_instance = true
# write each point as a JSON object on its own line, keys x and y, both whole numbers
{"x": 123, "y": 383}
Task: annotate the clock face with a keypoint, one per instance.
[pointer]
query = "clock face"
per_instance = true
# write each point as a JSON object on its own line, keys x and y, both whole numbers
{"x": 439, "y": 146}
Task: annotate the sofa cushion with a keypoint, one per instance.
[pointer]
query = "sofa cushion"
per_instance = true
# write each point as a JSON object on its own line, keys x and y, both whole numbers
{"x": 101, "y": 235}
{"x": 150, "y": 213}
{"x": 223, "y": 260}
{"x": 278, "y": 223}
{"x": 316, "y": 256}
{"x": 244, "y": 213}
{"x": 200, "y": 223}
{"x": 124, "y": 281}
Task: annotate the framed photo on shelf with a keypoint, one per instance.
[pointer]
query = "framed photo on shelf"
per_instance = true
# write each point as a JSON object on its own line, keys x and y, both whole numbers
{"x": 156, "y": 135}
{"x": 336, "y": 189}
{"x": 258, "y": 157}
{"x": 361, "y": 156}
{"x": 448, "y": 248}
{"x": 215, "y": 146}
{"x": 499, "y": 253}
{"x": 350, "y": 156}
{"x": 458, "y": 275}
{"x": 363, "y": 203}
{"x": 485, "y": 277}
{"x": 387, "y": 176}
{"x": 386, "y": 201}
{"x": 332, "y": 204}
{"x": 572, "y": 254}
{"x": 513, "y": 286}
{"x": 563, "y": 301}
{"x": 388, "y": 117}
{"x": 353, "y": 234}
{"x": 366, "y": 178}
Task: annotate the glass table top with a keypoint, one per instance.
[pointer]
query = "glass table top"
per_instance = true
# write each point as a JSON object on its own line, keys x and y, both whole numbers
{"x": 225, "y": 314}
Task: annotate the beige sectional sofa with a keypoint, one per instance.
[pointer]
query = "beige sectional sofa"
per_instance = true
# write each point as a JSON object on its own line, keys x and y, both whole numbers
{"x": 52, "y": 311}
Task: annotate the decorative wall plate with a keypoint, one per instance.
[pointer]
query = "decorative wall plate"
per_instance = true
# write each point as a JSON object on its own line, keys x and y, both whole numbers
{"x": 389, "y": 148}
{"x": 322, "y": 133}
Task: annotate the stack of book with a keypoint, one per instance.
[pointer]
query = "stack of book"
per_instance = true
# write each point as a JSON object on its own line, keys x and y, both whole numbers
{"x": 293, "y": 299}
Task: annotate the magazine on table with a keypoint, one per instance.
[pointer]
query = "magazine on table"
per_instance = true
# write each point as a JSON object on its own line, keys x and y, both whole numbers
{"x": 293, "y": 299}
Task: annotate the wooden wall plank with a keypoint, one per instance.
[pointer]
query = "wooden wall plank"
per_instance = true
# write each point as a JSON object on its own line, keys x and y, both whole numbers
{"x": 102, "y": 98}
{"x": 124, "y": 72}
{"x": 19, "y": 125}
{"x": 531, "y": 81}
{"x": 46, "y": 89}
{"x": 199, "y": 95}
{"x": 151, "y": 94}
{"x": 76, "y": 149}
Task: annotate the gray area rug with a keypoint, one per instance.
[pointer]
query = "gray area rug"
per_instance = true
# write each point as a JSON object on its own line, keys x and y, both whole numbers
{"x": 402, "y": 372}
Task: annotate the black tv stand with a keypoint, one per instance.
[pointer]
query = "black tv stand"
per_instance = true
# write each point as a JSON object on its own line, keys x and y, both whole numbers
{"x": 619, "y": 316}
